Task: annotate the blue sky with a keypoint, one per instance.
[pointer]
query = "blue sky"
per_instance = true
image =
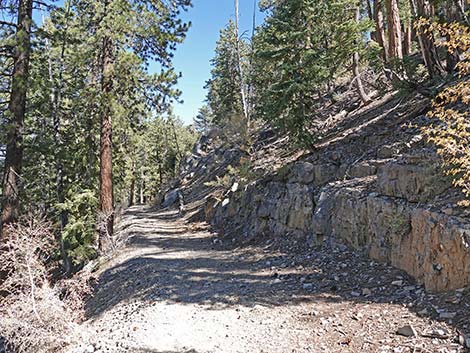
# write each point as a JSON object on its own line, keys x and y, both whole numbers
{"x": 192, "y": 58}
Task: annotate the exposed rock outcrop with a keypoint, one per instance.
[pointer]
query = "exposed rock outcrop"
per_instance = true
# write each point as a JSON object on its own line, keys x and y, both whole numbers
{"x": 372, "y": 183}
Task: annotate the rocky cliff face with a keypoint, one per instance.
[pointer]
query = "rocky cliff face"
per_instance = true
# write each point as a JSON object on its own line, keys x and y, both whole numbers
{"x": 372, "y": 183}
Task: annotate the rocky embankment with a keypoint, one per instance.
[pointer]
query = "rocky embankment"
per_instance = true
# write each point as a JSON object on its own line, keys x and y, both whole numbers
{"x": 372, "y": 183}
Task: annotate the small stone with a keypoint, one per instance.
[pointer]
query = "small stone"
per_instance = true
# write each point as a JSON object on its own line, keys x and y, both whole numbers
{"x": 234, "y": 187}
{"x": 438, "y": 333}
{"x": 366, "y": 291}
{"x": 277, "y": 281}
{"x": 225, "y": 202}
{"x": 446, "y": 315}
{"x": 355, "y": 294}
{"x": 464, "y": 341}
{"x": 407, "y": 331}
{"x": 307, "y": 286}
{"x": 448, "y": 211}
{"x": 358, "y": 316}
{"x": 397, "y": 283}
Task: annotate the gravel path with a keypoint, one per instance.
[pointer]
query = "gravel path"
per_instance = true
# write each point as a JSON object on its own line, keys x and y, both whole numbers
{"x": 176, "y": 287}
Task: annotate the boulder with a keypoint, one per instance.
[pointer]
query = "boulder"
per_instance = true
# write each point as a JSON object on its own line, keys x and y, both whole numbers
{"x": 171, "y": 198}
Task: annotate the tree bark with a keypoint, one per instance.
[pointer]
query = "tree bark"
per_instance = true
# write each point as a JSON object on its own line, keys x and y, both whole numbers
{"x": 407, "y": 38}
{"x": 422, "y": 8}
{"x": 395, "y": 50}
{"x": 131, "y": 193}
{"x": 106, "y": 146}
{"x": 17, "y": 107}
{"x": 380, "y": 28}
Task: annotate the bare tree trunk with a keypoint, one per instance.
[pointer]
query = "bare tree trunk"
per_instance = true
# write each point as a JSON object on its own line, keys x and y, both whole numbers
{"x": 357, "y": 75}
{"x": 239, "y": 68}
{"x": 250, "y": 95}
{"x": 106, "y": 158}
{"x": 395, "y": 50}
{"x": 380, "y": 28}
{"x": 357, "y": 78}
{"x": 17, "y": 107}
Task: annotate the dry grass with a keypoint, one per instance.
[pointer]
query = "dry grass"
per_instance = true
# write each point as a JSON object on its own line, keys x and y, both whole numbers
{"x": 38, "y": 314}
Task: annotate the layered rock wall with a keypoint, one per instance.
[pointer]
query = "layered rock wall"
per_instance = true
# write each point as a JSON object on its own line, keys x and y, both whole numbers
{"x": 380, "y": 210}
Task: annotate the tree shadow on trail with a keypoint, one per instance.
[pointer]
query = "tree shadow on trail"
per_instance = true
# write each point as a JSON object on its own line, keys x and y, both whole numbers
{"x": 152, "y": 351}
{"x": 189, "y": 268}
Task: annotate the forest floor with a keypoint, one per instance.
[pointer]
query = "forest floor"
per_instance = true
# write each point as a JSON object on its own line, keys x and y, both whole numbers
{"x": 178, "y": 287}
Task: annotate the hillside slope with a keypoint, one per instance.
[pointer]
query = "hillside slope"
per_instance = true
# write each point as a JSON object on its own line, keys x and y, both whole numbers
{"x": 372, "y": 183}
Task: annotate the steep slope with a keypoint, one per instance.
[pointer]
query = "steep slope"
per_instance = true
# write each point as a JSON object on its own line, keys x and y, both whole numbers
{"x": 372, "y": 183}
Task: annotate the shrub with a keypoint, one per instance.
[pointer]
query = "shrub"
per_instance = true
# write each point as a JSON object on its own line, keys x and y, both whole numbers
{"x": 450, "y": 130}
{"x": 38, "y": 314}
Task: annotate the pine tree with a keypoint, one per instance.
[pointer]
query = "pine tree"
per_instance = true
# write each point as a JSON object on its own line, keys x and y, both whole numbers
{"x": 300, "y": 48}
{"x": 204, "y": 119}
{"x": 226, "y": 84}
{"x": 17, "y": 109}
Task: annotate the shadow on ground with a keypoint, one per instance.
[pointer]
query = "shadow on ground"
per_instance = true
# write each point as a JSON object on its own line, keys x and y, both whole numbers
{"x": 189, "y": 268}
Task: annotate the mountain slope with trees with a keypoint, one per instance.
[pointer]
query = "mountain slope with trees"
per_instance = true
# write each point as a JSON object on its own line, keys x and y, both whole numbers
{"x": 340, "y": 121}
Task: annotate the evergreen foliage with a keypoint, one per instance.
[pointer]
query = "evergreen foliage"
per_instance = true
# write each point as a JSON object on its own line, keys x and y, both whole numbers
{"x": 299, "y": 50}
{"x": 62, "y": 121}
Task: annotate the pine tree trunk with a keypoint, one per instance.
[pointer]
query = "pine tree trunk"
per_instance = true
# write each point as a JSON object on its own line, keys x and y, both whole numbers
{"x": 142, "y": 186}
{"x": 407, "y": 38}
{"x": 106, "y": 159}
{"x": 395, "y": 50}
{"x": 422, "y": 8}
{"x": 380, "y": 28}
{"x": 132, "y": 186}
{"x": 17, "y": 108}
{"x": 131, "y": 192}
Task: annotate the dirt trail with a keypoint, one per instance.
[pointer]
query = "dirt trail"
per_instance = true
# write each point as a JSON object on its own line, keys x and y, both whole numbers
{"x": 178, "y": 288}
